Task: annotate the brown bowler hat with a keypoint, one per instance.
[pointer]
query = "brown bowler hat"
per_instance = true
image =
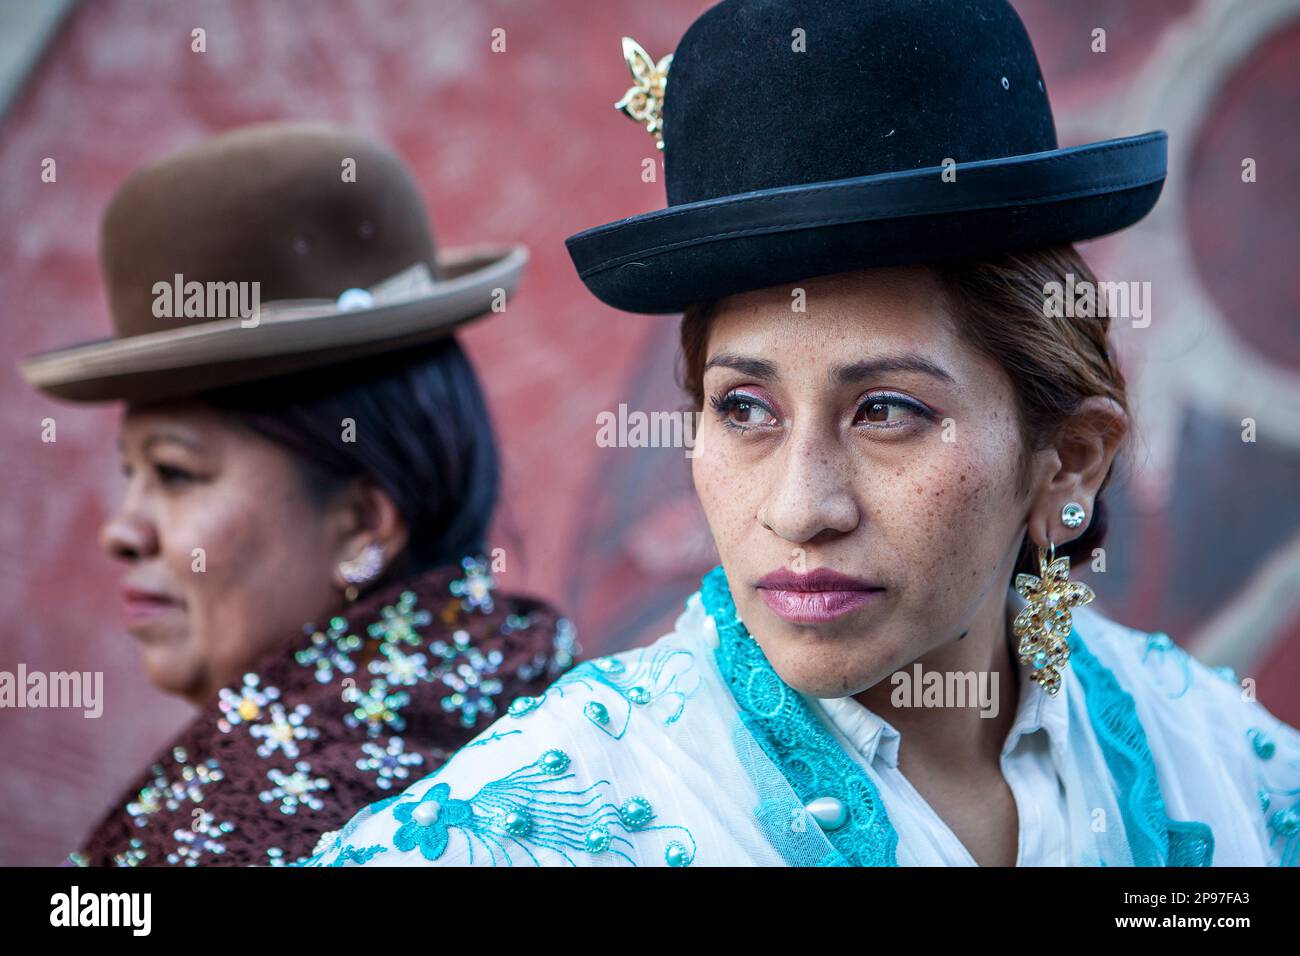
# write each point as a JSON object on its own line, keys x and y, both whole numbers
{"x": 268, "y": 250}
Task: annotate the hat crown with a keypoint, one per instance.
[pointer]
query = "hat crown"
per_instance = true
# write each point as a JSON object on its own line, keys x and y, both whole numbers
{"x": 870, "y": 86}
{"x": 275, "y": 204}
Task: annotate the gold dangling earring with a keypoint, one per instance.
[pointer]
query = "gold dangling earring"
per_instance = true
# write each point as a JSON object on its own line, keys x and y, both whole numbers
{"x": 1043, "y": 625}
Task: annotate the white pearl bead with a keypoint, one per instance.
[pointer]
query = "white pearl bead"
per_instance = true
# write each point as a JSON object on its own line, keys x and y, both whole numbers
{"x": 426, "y": 813}
{"x": 353, "y": 299}
{"x": 829, "y": 812}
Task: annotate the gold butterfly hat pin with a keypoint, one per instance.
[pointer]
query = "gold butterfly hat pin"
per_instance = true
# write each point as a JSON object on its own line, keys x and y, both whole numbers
{"x": 644, "y": 101}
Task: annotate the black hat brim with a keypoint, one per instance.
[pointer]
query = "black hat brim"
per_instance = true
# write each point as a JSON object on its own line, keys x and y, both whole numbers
{"x": 663, "y": 261}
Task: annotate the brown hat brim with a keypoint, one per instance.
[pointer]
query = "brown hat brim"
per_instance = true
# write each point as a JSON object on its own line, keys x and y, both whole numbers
{"x": 182, "y": 362}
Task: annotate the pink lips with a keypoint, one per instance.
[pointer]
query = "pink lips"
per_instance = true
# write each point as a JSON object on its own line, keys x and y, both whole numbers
{"x": 817, "y": 597}
{"x": 141, "y": 606}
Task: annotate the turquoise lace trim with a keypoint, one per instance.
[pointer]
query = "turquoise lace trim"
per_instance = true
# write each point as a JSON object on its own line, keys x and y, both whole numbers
{"x": 815, "y": 765}
{"x": 1153, "y": 838}
{"x": 796, "y": 741}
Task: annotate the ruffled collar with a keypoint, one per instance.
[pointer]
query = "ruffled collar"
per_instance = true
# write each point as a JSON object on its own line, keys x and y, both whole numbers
{"x": 822, "y": 775}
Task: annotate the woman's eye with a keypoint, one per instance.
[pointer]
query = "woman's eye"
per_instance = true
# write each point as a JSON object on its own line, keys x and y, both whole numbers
{"x": 171, "y": 475}
{"x": 747, "y": 413}
{"x": 737, "y": 411}
{"x": 877, "y": 411}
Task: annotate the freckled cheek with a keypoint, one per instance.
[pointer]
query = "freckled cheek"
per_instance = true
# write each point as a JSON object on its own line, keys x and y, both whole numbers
{"x": 727, "y": 490}
{"x": 945, "y": 510}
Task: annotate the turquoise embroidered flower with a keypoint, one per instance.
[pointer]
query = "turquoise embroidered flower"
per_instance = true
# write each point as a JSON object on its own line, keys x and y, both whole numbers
{"x": 425, "y": 821}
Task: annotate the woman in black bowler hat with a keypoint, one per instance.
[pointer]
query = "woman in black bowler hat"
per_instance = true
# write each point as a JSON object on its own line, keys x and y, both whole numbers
{"x": 902, "y": 454}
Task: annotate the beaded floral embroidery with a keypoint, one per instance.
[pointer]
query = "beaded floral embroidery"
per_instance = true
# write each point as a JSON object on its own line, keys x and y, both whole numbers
{"x": 468, "y": 673}
{"x": 398, "y": 623}
{"x": 171, "y": 794}
{"x": 475, "y": 589}
{"x": 202, "y": 838}
{"x": 378, "y": 708}
{"x": 245, "y": 704}
{"x": 331, "y": 650}
{"x": 292, "y": 790}
{"x": 652, "y": 675}
{"x": 527, "y": 809}
{"x": 390, "y": 763}
{"x": 282, "y": 731}
{"x": 382, "y": 661}
{"x": 472, "y": 678}
{"x": 163, "y": 793}
{"x": 1283, "y": 822}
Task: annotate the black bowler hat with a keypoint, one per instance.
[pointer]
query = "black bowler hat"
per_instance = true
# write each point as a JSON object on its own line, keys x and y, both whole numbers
{"x": 782, "y": 165}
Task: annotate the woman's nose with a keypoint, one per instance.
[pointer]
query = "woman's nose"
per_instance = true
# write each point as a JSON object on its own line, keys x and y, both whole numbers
{"x": 129, "y": 534}
{"x": 811, "y": 495}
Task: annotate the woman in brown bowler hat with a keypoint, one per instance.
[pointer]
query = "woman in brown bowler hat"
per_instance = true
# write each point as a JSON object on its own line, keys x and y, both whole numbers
{"x": 311, "y": 473}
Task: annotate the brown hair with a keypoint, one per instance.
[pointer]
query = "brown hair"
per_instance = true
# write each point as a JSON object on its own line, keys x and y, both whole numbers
{"x": 1053, "y": 364}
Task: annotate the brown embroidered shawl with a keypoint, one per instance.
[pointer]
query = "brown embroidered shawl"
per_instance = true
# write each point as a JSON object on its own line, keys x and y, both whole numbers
{"x": 344, "y": 716}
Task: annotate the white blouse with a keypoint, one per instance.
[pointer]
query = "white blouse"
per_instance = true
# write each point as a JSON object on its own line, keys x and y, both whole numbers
{"x": 693, "y": 751}
{"x": 1028, "y": 764}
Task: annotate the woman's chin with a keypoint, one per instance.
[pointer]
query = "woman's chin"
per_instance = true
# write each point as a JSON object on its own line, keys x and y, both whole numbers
{"x": 169, "y": 675}
{"x": 828, "y": 679}
{"x": 828, "y": 686}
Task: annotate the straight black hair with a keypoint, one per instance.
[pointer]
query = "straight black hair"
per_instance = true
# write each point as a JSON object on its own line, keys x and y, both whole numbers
{"x": 417, "y": 425}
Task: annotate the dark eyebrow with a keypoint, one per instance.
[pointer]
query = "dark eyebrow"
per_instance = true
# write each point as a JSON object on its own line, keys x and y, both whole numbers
{"x": 905, "y": 362}
{"x": 841, "y": 374}
{"x": 753, "y": 367}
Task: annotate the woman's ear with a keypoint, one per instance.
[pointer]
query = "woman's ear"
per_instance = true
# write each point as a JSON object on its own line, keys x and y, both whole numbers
{"x": 366, "y": 517}
{"x": 1078, "y": 463}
